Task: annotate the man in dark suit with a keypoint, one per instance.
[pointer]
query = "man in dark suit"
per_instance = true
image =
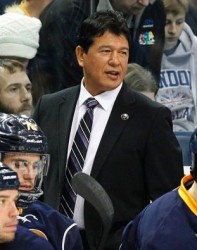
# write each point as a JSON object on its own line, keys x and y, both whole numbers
{"x": 132, "y": 151}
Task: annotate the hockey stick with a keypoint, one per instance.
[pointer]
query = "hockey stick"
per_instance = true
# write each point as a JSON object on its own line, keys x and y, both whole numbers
{"x": 87, "y": 187}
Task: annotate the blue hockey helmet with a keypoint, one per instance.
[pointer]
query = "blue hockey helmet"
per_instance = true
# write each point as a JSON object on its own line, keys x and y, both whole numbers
{"x": 21, "y": 135}
{"x": 8, "y": 178}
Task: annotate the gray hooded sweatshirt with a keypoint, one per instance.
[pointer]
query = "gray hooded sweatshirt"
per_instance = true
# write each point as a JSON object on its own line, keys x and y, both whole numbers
{"x": 178, "y": 85}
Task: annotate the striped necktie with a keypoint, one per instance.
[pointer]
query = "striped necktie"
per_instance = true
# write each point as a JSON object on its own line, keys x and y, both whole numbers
{"x": 77, "y": 158}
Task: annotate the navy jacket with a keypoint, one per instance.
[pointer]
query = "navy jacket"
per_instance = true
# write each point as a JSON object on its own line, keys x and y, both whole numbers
{"x": 25, "y": 239}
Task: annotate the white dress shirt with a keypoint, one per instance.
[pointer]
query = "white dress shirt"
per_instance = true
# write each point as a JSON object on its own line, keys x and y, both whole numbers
{"x": 101, "y": 115}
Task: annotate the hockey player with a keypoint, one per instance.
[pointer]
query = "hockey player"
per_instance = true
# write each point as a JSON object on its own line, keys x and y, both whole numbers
{"x": 9, "y": 185}
{"x": 11, "y": 236}
{"x": 170, "y": 222}
{"x": 24, "y": 147}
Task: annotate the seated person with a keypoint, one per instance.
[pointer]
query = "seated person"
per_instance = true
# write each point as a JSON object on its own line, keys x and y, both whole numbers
{"x": 9, "y": 184}
{"x": 170, "y": 222}
{"x": 177, "y": 88}
{"x": 24, "y": 147}
{"x": 15, "y": 88}
{"x": 19, "y": 40}
{"x": 11, "y": 236}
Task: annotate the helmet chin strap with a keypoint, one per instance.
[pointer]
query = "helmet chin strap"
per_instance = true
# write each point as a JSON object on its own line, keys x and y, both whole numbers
{"x": 28, "y": 197}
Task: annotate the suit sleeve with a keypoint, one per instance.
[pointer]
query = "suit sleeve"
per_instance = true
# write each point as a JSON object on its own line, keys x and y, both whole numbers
{"x": 163, "y": 161}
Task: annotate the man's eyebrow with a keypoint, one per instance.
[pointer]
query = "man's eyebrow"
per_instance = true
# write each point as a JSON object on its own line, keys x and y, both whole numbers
{"x": 8, "y": 196}
{"x": 4, "y": 196}
{"x": 109, "y": 46}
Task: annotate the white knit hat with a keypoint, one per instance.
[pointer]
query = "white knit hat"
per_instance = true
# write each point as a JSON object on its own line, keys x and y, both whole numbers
{"x": 19, "y": 35}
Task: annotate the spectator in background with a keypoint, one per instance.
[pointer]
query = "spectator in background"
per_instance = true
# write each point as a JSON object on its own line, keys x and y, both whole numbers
{"x": 15, "y": 88}
{"x": 170, "y": 222}
{"x": 19, "y": 41}
{"x": 19, "y": 36}
{"x": 178, "y": 86}
{"x": 142, "y": 80}
{"x": 132, "y": 153}
{"x": 55, "y": 66}
{"x": 191, "y": 16}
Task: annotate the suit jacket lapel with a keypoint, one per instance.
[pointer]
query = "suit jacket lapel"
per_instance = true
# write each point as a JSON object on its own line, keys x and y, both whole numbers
{"x": 65, "y": 116}
{"x": 123, "y": 108}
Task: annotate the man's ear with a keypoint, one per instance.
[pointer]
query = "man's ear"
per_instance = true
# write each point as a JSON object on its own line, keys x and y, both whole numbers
{"x": 80, "y": 55}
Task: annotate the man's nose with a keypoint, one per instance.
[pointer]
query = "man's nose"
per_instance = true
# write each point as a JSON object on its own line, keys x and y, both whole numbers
{"x": 13, "y": 211}
{"x": 25, "y": 95}
{"x": 29, "y": 173}
{"x": 144, "y": 2}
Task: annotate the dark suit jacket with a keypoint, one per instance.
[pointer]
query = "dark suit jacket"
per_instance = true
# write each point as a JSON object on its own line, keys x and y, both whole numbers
{"x": 138, "y": 159}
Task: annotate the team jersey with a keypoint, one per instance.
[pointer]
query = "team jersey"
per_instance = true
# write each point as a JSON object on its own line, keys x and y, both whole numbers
{"x": 170, "y": 222}
{"x": 26, "y": 239}
{"x": 61, "y": 231}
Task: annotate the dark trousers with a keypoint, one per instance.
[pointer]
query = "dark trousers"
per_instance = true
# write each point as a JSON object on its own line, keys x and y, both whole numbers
{"x": 84, "y": 239}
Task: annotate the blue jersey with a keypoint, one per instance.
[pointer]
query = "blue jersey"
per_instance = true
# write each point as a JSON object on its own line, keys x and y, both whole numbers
{"x": 61, "y": 231}
{"x": 169, "y": 223}
{"x": 25, "y": 239}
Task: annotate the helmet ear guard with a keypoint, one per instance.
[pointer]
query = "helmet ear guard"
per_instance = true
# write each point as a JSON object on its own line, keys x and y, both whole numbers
{"x": 8, "y": 178}
{"x": 193, "y": 150}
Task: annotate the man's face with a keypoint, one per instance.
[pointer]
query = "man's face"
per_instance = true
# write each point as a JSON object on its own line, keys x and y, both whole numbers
{"x": 173, "y": 29}
{"x": 26, "y": 165}
{"x": 15, "y": 93}
{"x": 105, "y": 63}
{"x": 133, "y": 7}
{"x": 8, "y": 215}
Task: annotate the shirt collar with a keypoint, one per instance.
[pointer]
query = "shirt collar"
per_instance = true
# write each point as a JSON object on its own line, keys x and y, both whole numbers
{"x": 105, "y": 99}
{"x": 106, "y": 5}
{"x": 184, "y": 194}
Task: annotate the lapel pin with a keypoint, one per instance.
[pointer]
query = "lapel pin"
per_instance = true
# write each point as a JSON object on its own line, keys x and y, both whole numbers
{"x": 124, "y": 117}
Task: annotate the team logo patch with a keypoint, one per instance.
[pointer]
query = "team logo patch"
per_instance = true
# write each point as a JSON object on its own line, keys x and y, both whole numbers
{"x": 148, "y": 23}
{"x": 146, "y": 38}
{"x": 39, "y": 233}
{"x": 30, "y": 125}
{"x": 27, "y": 218}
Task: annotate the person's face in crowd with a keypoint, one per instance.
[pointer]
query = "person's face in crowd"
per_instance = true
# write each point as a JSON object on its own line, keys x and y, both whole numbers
{"x": 26, "y": 165}
{"x": 8, "y": 215}
{"x": 173, "y": 29}
{"x": 105, "y": 63}
{"x": 133, "y": 7}
{"x": 15, "y": 92}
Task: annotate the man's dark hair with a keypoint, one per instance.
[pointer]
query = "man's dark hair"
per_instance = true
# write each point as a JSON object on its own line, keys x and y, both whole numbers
{"x": 100, "y": 22}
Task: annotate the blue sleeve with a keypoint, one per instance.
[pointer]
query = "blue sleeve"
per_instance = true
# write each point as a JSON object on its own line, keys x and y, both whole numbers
{"x": 129, "y": 236}
{"x": 61, "y": 231}
{"x": 72, "y": 239}
{"x": 25, "y": 239}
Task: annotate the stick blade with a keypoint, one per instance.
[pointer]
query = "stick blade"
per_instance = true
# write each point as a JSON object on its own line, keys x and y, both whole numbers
{"x": 87, "y": 187}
